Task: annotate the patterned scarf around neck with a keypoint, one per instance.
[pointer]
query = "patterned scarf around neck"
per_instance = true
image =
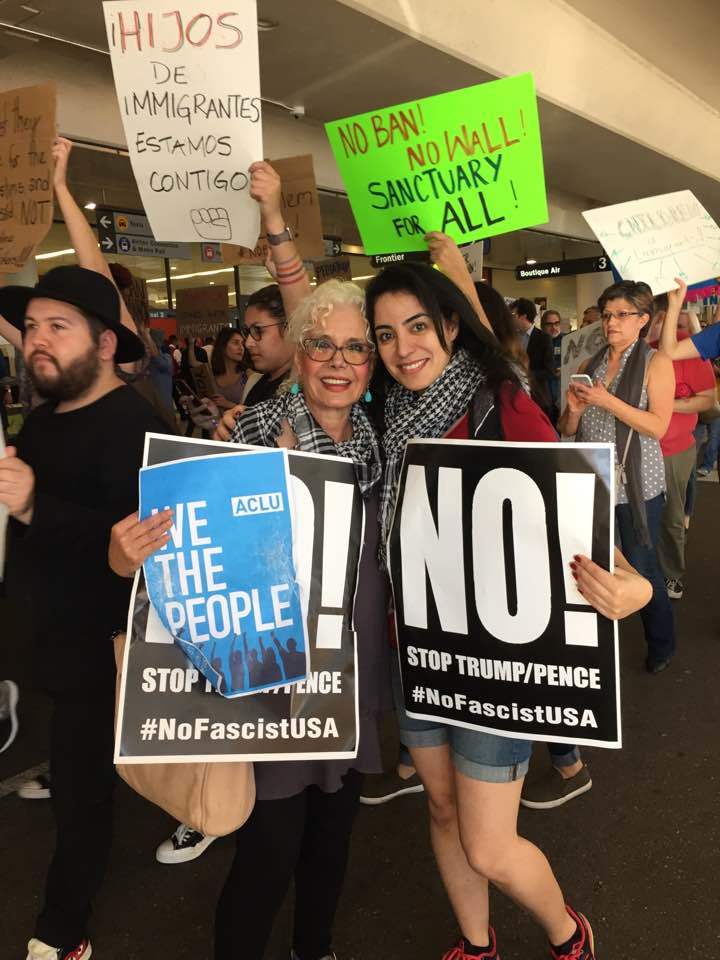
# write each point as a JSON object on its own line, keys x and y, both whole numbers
{"x": 261, "y": 425}
{"x": 430, "y": 414}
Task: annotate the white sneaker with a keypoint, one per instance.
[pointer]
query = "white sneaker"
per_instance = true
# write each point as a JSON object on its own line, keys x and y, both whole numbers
{"x": 37, "y": 789}
{"x": 37, "y": 950}
{"x": 184, "y": 845}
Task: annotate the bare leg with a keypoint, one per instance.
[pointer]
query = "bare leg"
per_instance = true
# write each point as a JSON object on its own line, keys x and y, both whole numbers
{"x": 466, "y": 889}
{"x": 487, "y": 815}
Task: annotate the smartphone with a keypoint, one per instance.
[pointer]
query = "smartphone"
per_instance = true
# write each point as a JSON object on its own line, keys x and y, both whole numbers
{"x": 581, "y": 378}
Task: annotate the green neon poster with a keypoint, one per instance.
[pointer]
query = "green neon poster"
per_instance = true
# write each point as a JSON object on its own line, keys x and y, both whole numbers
{"x": 468, "y": 162}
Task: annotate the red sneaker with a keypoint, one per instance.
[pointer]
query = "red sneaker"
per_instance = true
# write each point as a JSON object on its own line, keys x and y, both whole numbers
{"x": 458, "y": 951}
{"x": 582, "y": 947}
{"x": 37, "y": 950}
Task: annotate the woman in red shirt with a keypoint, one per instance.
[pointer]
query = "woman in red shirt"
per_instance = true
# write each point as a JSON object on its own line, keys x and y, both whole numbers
{"x": 443, "y": 375}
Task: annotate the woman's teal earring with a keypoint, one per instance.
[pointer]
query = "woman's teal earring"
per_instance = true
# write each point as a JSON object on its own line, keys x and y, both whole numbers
{"x": 295, "y": 389}
{"x": 368, "y": 396}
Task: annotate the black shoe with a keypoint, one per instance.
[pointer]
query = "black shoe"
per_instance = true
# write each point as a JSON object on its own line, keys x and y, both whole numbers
{"x": 383, "y": 787}
{"x": 657, "y": 666}
{"x": 553, "y": 790}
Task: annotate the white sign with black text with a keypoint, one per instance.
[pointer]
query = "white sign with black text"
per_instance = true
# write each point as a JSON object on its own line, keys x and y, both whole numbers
{"x": 492, "y": 631}
{"x": 169, "y": 713}
{"x": 656, "y": 239}
{"x": 188, "y": 88}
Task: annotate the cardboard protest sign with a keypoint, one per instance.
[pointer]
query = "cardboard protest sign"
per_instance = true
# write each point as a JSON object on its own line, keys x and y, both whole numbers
{"x": 473, "y": 256}
{"x": 500, "y": 639}
{"x": 338, "y": 269}
{"x": 188, "y": 88}
{"x": 659, "y": 238}
{"x": 168, "y": 712}
{"x": 201, "y": 311}
{"x": 574, "y": 348}
{"x": 230, "y": 618}
{"x": 300, "y": 209}
{"x": 27, "y": 131}
{"x": 468, "y": 163}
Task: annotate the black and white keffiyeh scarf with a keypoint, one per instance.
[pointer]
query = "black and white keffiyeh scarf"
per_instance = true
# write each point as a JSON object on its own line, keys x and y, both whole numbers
{"x": 430, "y": 414}
{"x": 261, "y": 425}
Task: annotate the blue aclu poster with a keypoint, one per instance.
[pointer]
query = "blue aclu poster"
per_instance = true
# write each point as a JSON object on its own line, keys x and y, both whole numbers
{"x": 224, "y": 586}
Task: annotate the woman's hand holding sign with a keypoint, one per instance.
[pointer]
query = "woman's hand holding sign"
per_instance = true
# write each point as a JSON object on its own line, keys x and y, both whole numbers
{"x": 614, "y": 595}
{"x": 133, "y": 540}
{"x": 266, "y": 188}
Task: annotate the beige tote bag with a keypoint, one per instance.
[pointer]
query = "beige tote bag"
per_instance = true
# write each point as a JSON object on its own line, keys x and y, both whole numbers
{"x": 214, "y": 798}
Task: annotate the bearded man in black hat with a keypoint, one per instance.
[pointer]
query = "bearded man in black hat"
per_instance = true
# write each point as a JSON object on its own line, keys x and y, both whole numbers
{"x": 73, "y": 475}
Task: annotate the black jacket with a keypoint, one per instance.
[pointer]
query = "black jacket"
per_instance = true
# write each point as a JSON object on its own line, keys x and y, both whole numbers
{"x": 540, "y": 354}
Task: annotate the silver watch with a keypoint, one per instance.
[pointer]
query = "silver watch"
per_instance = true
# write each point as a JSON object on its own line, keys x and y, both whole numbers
{"x": 275, "y": 239}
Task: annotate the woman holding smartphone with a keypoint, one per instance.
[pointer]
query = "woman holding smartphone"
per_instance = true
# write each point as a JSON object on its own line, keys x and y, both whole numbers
{"x": 624, "y": 395}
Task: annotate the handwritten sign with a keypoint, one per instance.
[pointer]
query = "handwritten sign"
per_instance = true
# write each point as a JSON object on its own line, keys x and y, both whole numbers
{"x": 188, "y": 87}
{"x": 300, "y": 209}
{"x": 659, "y": 238}
{"x": 27, "y": 129}
{"x": 575, "y": 347}
{"x": 201, "y": 311}
{"x": 338, "y": 269}
{"x": 468, "y": 163}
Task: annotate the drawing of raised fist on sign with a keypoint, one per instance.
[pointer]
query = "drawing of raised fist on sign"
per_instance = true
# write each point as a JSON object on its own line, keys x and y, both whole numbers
{"x": 212, "y": 223}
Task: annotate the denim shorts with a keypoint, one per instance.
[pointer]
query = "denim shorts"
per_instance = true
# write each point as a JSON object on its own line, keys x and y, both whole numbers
{"x": 478, "y": 755}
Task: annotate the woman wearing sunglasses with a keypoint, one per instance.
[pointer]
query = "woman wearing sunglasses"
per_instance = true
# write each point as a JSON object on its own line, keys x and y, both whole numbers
{"x": 304, "y": 812}
{"x": 627, "y": 400}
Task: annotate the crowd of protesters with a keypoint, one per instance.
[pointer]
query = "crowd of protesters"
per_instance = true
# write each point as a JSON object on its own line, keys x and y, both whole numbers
{"x": 420, "y": 353}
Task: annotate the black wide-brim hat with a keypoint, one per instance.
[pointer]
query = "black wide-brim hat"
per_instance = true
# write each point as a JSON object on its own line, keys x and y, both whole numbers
{"x": 87, "y": 290}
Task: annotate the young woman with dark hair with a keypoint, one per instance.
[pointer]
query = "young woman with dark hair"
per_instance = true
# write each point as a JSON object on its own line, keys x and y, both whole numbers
{"x": 443, "y": 374}
{"x": 228, "y": 367}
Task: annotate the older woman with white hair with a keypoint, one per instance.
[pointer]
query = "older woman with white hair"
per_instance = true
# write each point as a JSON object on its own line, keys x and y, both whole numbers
{"x": 304, "y": 812}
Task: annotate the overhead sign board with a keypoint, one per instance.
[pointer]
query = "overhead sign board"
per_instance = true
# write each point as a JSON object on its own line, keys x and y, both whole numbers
{"x": 386, "y": 259}
{"x": 562, "y": 268}
{"x": 124, "y": 233}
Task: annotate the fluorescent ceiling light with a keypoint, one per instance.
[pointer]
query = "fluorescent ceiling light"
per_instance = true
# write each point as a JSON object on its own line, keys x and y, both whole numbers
{"x": 21, "y": 36}
{"x": 56, "y": 253}
{"x": 265, "y": 25}
{"x": 188, "y": 276}
{"x": 529, "y": 261}
{"x": 90, "y": 205}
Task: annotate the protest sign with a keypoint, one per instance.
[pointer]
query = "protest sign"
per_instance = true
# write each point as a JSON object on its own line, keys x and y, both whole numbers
{"x": 473, "y": 257}
{"x": 188, "y": 88}
{"x": 659, "y": 238}
{"x": 574, "y": 348}
{"x": 168, "y": 712}
{"x": 201, "y": 311}
{"x": 239, "y": 623}
{"x": 468, "y": 163}
{"x": 338, "y": 269}
{"x": 27, "y": 131}
{"x": 492, "y": 631}
{"x": 300, "y": 210}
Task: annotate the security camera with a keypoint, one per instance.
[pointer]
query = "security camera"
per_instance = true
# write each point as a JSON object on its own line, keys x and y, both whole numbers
{"x": 298, "y": 111}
